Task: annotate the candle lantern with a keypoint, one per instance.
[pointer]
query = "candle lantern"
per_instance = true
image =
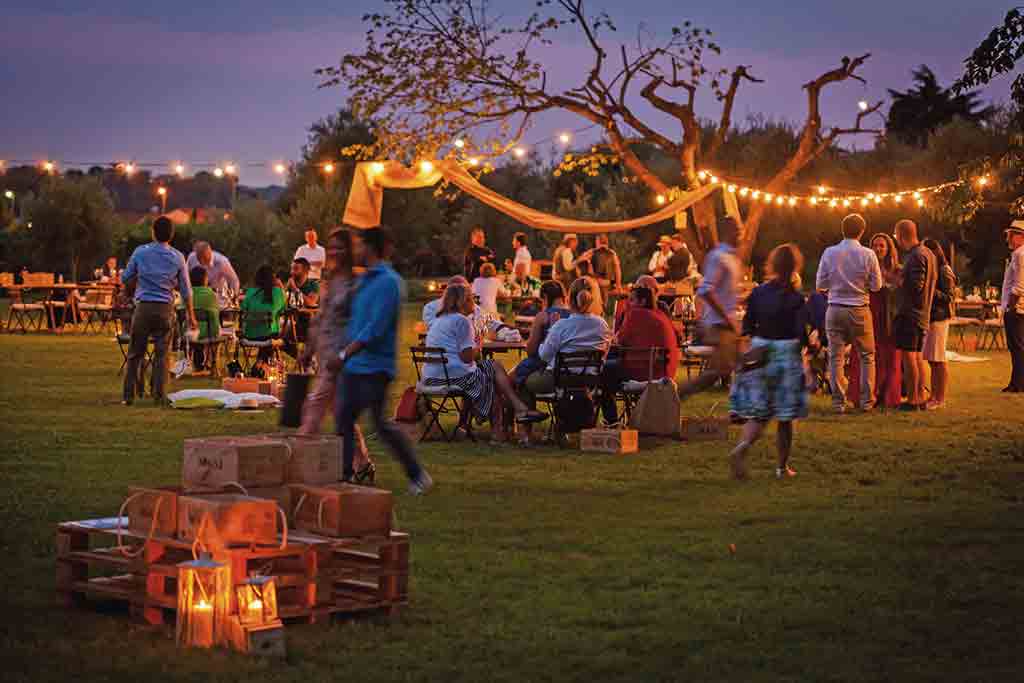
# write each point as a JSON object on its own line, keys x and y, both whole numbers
{"x": 204, "y": 595}
{"x": 257, "y": 601}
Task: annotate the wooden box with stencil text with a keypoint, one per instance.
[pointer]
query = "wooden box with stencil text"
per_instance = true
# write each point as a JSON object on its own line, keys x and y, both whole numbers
{"x": 342, "y": 510}
{"x": 211, "y": 463}
{"x": 610, "y": 440}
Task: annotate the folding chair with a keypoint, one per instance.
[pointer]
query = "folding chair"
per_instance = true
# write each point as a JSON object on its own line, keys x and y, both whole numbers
{"x": 630, "y": 390}
{"x": 695, "y": 357}
{"x": 27, "y": 306}
{"x": 98, "y": 308}
{"x": 441, "y": 399}
{"x": 575, "y": 371}
{"x": 211, "y": 345}
{"x": 250, "y": 348}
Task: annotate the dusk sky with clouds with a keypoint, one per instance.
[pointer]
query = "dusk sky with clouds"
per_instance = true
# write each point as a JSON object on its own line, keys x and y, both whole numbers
{"x": 232, "y": 79}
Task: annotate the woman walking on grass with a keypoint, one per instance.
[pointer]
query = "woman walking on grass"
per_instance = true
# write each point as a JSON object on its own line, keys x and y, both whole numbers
{"x": 938, "y": 329}
{"x": 770, "y": 383}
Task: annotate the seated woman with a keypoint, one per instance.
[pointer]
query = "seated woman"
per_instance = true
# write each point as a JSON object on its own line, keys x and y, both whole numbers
{"x": 488, "y": 286}
{"x": 581, "y": 331}
{"x": 552, "y": 295}
{"x": 646, "y": 327}
{"x": 203, "y": 299}
{"x": 262, "y": 309}
{"x": 623, "y": 306}
{"x": 453, "y": 332}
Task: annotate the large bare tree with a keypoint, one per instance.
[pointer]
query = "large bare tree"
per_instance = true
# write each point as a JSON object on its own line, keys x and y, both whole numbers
{"x": 434, "y": 71}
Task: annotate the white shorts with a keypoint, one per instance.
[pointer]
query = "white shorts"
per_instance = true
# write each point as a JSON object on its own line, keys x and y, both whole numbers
{"x": 935, "y": 342}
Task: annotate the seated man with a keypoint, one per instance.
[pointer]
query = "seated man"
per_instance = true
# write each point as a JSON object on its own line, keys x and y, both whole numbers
{"x": 303, "y": 292}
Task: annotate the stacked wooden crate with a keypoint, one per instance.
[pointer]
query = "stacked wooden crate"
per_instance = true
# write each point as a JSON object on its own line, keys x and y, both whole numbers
{"x": 330, "y": 548}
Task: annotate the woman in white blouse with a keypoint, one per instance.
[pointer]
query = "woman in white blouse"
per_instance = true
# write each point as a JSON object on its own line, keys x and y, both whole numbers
{"x": 453, "y": 331}
{"x": 488, "y": 286}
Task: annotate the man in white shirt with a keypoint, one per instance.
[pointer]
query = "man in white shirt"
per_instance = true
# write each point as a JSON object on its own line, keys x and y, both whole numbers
{"x": 658, "y": 265}
{"x": 312, "y": 252}
{"x": 523, "y": 262}
{"x": 221, "y": 276}
{"x": 849, "y": 272}
{"x": 1012, "y": 305}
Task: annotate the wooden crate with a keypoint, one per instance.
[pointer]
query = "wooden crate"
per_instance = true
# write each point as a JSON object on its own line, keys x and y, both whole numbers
{"x": 211, "y": 463}
{"x": 342, "y": 510}
{"x": 145, "y": 503}
{"x": 237, "y": 519}
{"x": 704, "y": 429}
{"x": 249, "y": 385}
{"x": 610, "y": 440}
{"x": 313, "y": 459}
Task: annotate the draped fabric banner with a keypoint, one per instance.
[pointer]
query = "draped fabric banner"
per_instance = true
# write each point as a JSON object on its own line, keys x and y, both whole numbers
{"x": 366, "y": 198}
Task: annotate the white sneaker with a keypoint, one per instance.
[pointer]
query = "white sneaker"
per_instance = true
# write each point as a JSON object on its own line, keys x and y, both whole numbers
{"x": 423, "y": 484}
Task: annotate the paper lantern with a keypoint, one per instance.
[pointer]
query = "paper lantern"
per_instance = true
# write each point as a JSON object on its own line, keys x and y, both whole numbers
{"x": 257, "y": 601}
{"x": 204, "y": 595}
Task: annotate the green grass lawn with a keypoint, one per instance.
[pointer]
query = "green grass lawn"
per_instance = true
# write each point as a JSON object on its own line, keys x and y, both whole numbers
{"x": 896, "y": 554}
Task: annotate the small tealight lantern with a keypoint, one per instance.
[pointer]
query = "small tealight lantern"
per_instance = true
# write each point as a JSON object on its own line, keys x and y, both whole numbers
{"x": 204, "y": 594}
{"x": 257, "y": 601}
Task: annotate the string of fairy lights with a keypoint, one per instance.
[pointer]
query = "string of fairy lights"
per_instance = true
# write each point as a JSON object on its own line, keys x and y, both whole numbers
{"x": 820, "y": 196}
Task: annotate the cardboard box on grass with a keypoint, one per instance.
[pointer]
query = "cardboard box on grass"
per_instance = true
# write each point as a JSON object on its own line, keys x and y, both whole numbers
{"x": 610, "y": 440}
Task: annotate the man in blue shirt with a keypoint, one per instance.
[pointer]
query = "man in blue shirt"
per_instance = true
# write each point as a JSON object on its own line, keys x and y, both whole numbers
{"x": 154, "y": 271}
{"x": 719, "y": 327}
{"x": 368, "y": 361}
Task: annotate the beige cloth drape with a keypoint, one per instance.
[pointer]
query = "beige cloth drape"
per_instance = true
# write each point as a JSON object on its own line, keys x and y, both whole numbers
{"x": 366, "y": 198}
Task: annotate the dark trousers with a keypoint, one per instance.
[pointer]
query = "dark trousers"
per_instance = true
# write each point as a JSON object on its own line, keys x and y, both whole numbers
{"x": 150, "y": 320}
{"x": 357, "y": 393}
{"x": 1014, "y": 323}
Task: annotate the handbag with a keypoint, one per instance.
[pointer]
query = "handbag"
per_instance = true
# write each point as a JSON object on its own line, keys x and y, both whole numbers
{"x": 575, "y": 411}
{"x": 657, "y": 411}
{"x": 408, "y": 409}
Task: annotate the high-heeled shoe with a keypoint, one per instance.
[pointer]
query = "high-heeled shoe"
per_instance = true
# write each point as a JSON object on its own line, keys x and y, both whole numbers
{"x": 367, "y": 475}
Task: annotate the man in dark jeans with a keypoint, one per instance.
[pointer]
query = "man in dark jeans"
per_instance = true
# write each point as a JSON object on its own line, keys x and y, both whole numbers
{"x": 368, "y": 362}
{"x": 154, "y": 271}
{"x": 1012, "y": 305}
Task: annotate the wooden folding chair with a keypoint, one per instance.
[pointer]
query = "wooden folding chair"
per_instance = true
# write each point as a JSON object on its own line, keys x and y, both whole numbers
{"x": 575, "y": 371}
{"x": 27, "y": 310}
{"x": 993, "y": 334}
{"x": 249, "y": 349}
{"x": 441, "y": 399}
{"x": 97, "y": 309}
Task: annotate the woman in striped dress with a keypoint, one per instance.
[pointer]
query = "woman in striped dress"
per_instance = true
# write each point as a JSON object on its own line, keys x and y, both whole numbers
{"x": 484, "y": 382}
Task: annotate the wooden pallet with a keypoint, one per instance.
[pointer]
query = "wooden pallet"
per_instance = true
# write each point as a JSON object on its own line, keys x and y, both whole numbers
{"x": 316, "y": 576}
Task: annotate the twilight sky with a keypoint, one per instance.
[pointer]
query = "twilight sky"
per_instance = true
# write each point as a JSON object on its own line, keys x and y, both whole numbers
{"x": 216, "y": 80}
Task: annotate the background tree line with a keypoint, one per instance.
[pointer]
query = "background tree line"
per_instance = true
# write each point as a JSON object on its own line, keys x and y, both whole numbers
{"x": 933, "y": 134}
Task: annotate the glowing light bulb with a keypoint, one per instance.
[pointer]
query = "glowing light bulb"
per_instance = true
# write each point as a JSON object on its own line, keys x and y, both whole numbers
{"x": 218, "y": 172}
{"x": 328, "y": 168}
{"x": 162, "y": 191}
{"x": 983, "y": 181}
{"x": 8, "y": 194}
{"x": 757, "y": 193}
{"x": 917, "y": 195}
{"x": 519, "y": 152}
{"x": 920, "y": 202}
{"x": 898, "y": 198}
{"x": 822, "y": 189}
{"x": 426, "y": 167}
{"x": 48, "y": 166}
{"x": 863, "y": 105}
{"x": 744, "y": 191}
{"x": 878, "y": 199}
{"x": 768, "y": 196}
{"x": 460, "y": 143}
{"x": 846, "y": 202}
{"x": 564, "y": 138}
{"x": 279, "y": 169}
{"x": 230, "y": 169}
{"x": 864, "y": 201}
{"x": 376, "y": 168}
{"x": 473, "y": 161}
{"x": 660, "y": 199}
{"x": 701, "y": 175}
{"x": 814, "y": 201}
{"x": 792, "y": 201}
{"x": 714, "y": 179}
{"x": 779, "y": 200}
{"x": 179, "y": 169}
{"x": 203, "y": 605}
{"x": 732, "y": 189}
{"x": 129, "y": 168}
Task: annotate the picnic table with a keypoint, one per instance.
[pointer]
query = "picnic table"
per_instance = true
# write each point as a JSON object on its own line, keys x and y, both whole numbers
{"x": 57, "y": 295}
{"x": 490, "y": 348}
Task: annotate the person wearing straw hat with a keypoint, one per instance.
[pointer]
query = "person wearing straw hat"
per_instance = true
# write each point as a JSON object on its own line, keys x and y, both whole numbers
{"x": 1011, "y": 303}
{"x": 658, "y": 265}
{"x": 563, "y": 266}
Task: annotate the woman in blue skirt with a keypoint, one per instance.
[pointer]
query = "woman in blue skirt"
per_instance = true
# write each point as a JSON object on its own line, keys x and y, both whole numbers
{"x": 770, "y": 380}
